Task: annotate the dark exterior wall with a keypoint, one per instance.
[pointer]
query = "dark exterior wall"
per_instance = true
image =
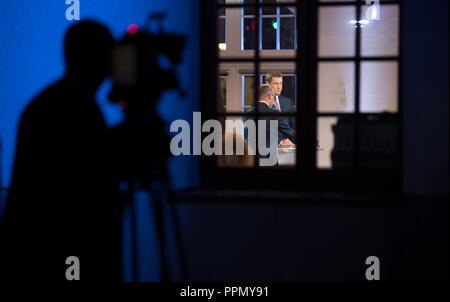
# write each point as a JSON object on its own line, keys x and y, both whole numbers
{"x": 425, "y": 91}
{"x": 316, "y": 243}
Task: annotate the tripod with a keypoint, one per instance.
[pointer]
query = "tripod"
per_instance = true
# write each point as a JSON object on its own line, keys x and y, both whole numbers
{"x": 161, "y": 195}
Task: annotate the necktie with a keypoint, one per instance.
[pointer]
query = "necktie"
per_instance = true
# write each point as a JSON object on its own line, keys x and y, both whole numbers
{"x": 277, "y": 104}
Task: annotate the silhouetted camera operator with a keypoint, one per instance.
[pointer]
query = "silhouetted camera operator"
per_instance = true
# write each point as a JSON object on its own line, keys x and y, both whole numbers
{"x": 63, "y": 198}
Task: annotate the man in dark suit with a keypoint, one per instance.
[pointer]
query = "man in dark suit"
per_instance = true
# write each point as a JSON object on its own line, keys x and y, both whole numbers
{"x": 282, "y": 104}
{"x": 265, "y": 105}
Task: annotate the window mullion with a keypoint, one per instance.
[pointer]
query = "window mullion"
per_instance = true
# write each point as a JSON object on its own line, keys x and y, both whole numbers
{"x": 355, "y": 127}
{"x": 278, "y": 28}
{"x": 260, "y": 32}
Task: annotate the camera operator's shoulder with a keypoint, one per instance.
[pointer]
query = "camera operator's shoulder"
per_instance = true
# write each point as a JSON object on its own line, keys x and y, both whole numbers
{"x": 44, "y": 107}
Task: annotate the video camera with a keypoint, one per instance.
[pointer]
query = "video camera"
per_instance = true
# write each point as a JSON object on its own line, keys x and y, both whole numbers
{"x": 139, "y": 77}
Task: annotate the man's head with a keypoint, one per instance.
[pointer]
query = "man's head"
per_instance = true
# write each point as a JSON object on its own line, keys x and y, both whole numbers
{"x": 266, "y": 94}
{"x": 275, "y": 80}
{"x": 87, "y": 52}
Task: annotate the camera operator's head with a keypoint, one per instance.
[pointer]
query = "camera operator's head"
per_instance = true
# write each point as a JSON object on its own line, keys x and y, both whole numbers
{"x": 87, "y": 52}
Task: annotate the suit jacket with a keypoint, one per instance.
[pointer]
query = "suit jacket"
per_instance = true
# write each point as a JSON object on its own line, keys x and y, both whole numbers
{"x": 284, "y": 130}
{"x": 286, "y": 105}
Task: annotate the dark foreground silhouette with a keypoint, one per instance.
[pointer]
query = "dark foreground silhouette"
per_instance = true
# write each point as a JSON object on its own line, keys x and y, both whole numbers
{"x": 63, "y": 198}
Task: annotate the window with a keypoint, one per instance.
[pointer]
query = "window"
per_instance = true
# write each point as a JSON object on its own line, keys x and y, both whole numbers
{"x": 340, "y": 62}
{"x": 358, "y": 118}
{"x": 276, "y": 27}
{"x": 276, "y": 36}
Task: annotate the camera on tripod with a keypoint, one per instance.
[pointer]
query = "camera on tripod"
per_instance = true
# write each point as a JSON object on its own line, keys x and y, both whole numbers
{"x": 139, "y": 76}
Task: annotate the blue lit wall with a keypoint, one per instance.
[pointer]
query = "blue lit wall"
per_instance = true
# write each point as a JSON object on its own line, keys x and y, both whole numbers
{"x": 31, "y": 58}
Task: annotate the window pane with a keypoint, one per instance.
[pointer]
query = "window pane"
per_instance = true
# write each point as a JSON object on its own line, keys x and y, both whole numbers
{"x": 378, "y": 142}
{"x": 234, "y": 89}
{"x": 249, "y": 32}
{"x": 235, "y": 150}
{"x": 325, "y": 141}
{"x": 284, "y": 155}
{"x": 269, "y": 10}
{"x": 379, "y": 87}
{"x": 380, "y": 36}
{"x": 223, "y": 92}
{"x": 336, "y": 31}
{"x": 242, "y": 143}
{"x": 336, "y": 87}
{"x": 286, "y": 86}
{"x": 275, "y": 32}
{"x": 221, "y": 33}
{"x": 289, "y": 88}
{"x": 271, "y": 139}
{"x": 287, "y": 33}
{"x": 287, "y": 10}
{"x": 339, "y": 141}
{"x": 269, "y": 33}
{"x": 249, "y": 10}
{"x": 248, "y": 92}
{"x": 285, "y": 102}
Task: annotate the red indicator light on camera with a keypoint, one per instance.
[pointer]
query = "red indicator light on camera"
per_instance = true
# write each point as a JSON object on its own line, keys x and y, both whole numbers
{"x": 132, "y": 29}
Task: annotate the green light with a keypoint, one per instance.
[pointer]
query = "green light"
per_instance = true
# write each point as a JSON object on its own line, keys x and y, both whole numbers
{"x": 274, "y": 25}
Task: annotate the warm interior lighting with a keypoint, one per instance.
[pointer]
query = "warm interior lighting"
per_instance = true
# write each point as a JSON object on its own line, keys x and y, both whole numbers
{"x": 223, "y": 46}
{"x": 373, "y": 12}
{"x": 360, "y": 21}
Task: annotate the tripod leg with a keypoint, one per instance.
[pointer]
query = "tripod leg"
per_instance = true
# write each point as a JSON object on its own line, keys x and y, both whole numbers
{"x": 129, "y": 200}
{"x": 157, "y": 202}
{"x": 177, "y": 233}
